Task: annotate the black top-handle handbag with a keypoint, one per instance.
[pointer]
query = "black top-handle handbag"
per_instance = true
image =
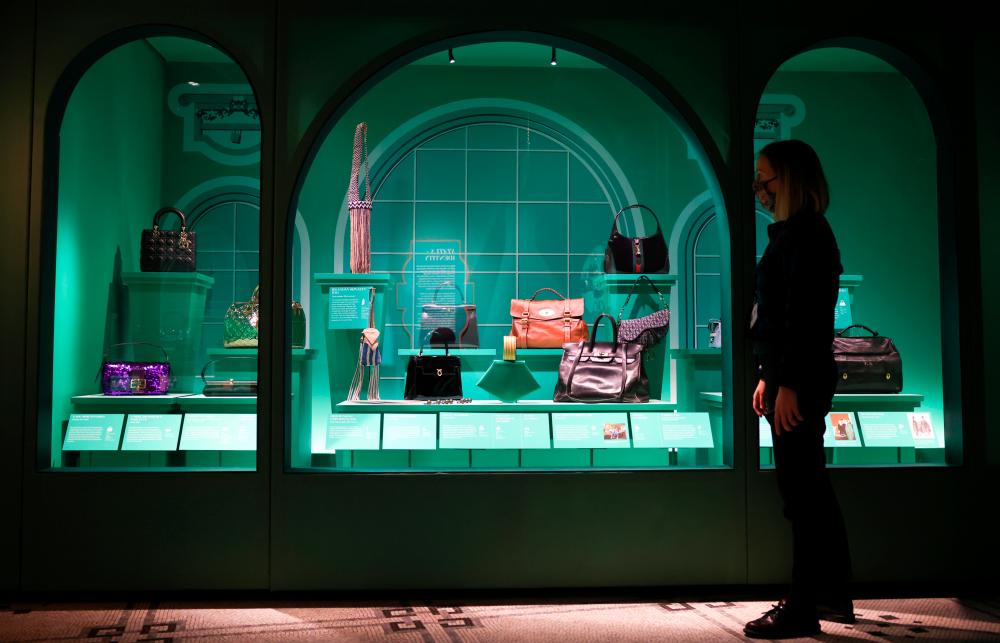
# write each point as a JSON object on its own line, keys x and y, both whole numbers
{"x": 593, "y": 371}
{"x": 434, "y": 377}
{"x": 167, "y": 250}
{"x": 648, "y": 330}
{"x": 867, "y": 364}
{"x": 634, "y": 255}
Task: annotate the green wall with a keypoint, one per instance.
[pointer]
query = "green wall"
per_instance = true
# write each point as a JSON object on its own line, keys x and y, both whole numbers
{"x": 109, "y": 187}
{"x": 874, "y": 137}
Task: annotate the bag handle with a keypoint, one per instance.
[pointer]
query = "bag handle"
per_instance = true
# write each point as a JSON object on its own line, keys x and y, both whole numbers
{"x": 614, "y": 224}
{"x": 453, "y": 285}
{"x": 221, "y": 359}
{"x": 162, "y": 211}
{"x": 541, "y": 290}
{"x": 841, "y": 333}
{"x": 593, "y": 332}
{"x": 360, "y": 149}
{"x": 635, "y": 284}
{"x": 107, "y": 353}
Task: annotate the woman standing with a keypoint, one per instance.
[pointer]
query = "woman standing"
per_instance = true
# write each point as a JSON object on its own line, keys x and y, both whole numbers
{"x": 792, "y": 325}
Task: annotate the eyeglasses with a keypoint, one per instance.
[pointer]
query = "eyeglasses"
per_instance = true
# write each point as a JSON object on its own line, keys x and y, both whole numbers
{"x": 761, "y": 186}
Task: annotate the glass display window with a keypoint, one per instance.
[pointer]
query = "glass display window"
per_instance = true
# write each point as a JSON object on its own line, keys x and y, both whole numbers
{"x": 504, "y": 196}
{"x": 155, "y": 246}
{"x": 876, "y": 142}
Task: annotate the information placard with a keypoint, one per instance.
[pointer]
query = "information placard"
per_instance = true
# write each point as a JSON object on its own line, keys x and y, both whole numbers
{"x": 922, "y": 430}
{"x": 590, "y": 430}
{"x": 466, "y": 430}
{"x": 148, "y": 432}
{"x": 674, "y": 430}
{"x": 348, "y": 307}
{"x": 841, "y": 431}
{"x": 885, "y": 429}
{"x": 766, "y": 435}
{"x": 91, "y": 432}
{"x": 353, "y": 431}
{"x": 219, "y": 432}
{"x": 842, "y": 316}
{"x": 494, "y": 431}
{"x": 409, "y": 431}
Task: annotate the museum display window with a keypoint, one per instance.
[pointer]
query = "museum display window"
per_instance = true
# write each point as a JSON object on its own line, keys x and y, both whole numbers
{"x": 153, "y": 241}
{"x": 496, "y": 171}
{"x": 873, "y": 134}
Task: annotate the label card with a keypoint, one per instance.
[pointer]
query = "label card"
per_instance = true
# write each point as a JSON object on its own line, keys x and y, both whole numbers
{"x": 219, "y": 432}
{"x": 842, "y": 317}
{"x": 353, "y": 431}
{"x": 467, "y": 431}
{"x": 409, "y": 431}
{"x": 348, "y": 307}
{"x": 88, "y": 432}
{"x": 495, "y": 431}
{"x": 922, "y": 430}
{"x": 674, "y": 430}
{"x": 152, "y": 432}
{"x": 590, "y": 431}
{"x": 766, "y": 435}
{"x": 885, "y": 429}
{"x": 841, "y": 431}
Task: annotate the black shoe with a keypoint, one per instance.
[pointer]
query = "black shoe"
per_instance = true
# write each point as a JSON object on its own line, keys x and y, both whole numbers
{"x": 783, "y": 622}
{"x": 841, "y": 611}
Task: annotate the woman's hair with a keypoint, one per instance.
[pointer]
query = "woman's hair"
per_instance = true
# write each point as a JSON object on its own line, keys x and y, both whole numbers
{"x": 803, "y": 184}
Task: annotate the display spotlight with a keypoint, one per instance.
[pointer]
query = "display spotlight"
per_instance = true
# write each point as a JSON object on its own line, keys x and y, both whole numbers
{"x": 553, "y": 61}
{"x": 451, "y": 57}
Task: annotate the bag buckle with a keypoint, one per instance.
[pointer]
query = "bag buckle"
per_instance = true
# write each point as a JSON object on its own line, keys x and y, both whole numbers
{"x": 440, "y": 372}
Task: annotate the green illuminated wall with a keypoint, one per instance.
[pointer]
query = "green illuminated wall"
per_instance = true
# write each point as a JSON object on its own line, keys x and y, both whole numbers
{"x": 109, "y": 186}
{"x": 875, "y": 140}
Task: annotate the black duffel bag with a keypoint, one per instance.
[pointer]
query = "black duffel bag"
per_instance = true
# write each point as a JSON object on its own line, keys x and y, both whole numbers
{"x": 867, "y": 364}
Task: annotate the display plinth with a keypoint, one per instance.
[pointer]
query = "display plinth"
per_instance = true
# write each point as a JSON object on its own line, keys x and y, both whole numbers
{"x": 484, "y": 406}
{"x": 850, "y": 401}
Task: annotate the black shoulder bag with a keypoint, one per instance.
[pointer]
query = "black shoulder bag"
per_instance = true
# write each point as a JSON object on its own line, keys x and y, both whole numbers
{"x": 633, "y": 255}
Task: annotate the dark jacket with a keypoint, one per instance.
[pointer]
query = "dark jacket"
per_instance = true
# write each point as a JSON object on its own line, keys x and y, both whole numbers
{"x": 797, "y": 282}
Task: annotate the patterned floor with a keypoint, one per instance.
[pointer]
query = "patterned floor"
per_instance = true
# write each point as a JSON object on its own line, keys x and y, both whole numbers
{"x": 940, "y": 619}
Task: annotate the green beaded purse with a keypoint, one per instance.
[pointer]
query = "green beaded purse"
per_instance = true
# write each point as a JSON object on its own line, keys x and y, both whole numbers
{"x": 239, "y": 328}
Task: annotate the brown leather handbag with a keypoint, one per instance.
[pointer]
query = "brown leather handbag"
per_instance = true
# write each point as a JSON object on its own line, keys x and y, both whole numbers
{"x": 547, "y": 323}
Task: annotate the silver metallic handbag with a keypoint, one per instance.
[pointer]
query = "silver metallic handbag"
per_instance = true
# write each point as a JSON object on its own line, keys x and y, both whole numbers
{"x": 648, "y": 330}
{"x": 593, "y": 371}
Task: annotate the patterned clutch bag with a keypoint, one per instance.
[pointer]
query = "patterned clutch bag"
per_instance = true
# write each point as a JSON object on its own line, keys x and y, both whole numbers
{"x": 648, "y": 330}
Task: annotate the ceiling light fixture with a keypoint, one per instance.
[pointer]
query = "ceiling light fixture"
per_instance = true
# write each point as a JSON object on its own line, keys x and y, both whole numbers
{"x": 193, "y": 83}
{"x": 451, "y": 57}
{"x": 553, "y": 61}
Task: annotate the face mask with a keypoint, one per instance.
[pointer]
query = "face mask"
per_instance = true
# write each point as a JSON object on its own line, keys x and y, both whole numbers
{"x": 768, "y": 200}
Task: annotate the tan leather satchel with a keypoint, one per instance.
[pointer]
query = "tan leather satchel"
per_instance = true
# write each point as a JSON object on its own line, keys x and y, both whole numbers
{"x": 548, "y": 323}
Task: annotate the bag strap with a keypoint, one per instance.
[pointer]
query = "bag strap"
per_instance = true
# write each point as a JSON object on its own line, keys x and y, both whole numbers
{"x": 162, "y": 211}
{"x": 371, "y": 307}
{"x": 221, "y": 359}
{"x": 841, "y": 333}
{"x": 360, "y": 150}
{"x": 614, "y": 224}
{"x": 635, "y": 284}
{"x": 107, "y": 353}
{"x": 593, "y": 332}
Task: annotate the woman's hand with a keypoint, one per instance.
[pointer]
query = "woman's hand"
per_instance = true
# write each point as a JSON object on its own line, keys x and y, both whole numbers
{"x": 759, "y": 401}
{"x": 786, "y": 410}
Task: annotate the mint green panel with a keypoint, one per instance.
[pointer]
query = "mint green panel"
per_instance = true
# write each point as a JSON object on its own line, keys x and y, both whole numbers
{"x": 542, "y": 227}
{"x": 440, "y": 175}
{"x": 454, "y": 140}
{"x": 543, "y": 176}
{"x": 583, "y": 185}
{"x": 529, "y": 284}
{"x": 492, "y": 227}
{"x": 548, "y": 264}
{"x": 528, "y": 139}
{"x": 399, "y": 185}
{"x": 492, "y": 137}
{"x": 589, "y": 227}
{"x": 392, "y": 226}
{"x": 493, "y": 295}
{"x": 492, "y": 176}
{"x": 506, "y": 263}
{"x": 444, "y": 221}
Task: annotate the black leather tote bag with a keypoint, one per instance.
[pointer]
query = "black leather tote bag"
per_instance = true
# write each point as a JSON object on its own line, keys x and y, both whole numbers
{"x": 867, "y": 364}
{"x": 593, "y": 371}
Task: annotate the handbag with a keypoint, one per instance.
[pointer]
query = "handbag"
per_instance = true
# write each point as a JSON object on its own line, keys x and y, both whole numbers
{"x": 239, "y": 328}
{"x": 361, "y": 210}
{"x": 636, "y": 254}
{"x": 298, "y": 326}
{"x": 135, "y": 378}
{"x": 167, "y": 250}
{"x": 648, "y": 330}
{"x": 228, "y": 387}
{"x": 369, "y": 357}
{"x": 593, "y": 371}
{"x": 461, "y": 318}
{"x": 867, "y": 364}
{"x": 433, "y": 377}
{"x": 547, "y": 323}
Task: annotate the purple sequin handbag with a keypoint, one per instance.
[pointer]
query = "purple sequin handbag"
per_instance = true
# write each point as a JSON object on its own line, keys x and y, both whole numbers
{"x": 648, "y": 330}
{"x": 135, "y": 378}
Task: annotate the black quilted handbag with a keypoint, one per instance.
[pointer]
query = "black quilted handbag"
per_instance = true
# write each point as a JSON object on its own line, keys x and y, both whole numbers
{"x": 633, "y": 255}
{"x": 167, "y": 250}
{"x": 867, "y": 364}
{"x": 648, "y": 330}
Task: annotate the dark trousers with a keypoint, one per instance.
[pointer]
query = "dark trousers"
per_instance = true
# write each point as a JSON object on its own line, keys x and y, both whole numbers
{"x": 821, "y": 562}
